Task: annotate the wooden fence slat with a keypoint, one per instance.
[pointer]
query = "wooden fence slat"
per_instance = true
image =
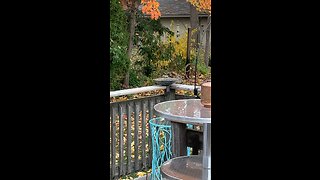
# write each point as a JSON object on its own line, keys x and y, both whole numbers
{"x": 136, "y": 133}
{"x": 157, "y": 100}
{"x": 150, "y": 137}
{"x": 132, "y": 168}
{"x": 144, "y": 162}
{"x": 120, "y": 138}
{"x": 129, "y": 137}
{"x": 113, "y": 142}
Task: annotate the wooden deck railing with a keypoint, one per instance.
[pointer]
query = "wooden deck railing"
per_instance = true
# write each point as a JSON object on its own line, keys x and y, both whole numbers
{"x": 131, "y": 148}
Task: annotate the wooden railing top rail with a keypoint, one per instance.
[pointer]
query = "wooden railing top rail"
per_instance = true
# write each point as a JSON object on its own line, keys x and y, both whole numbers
{"x": 184, "y": 87}
{"x": 151, "y": 88}
{"x": 135, "y": 90}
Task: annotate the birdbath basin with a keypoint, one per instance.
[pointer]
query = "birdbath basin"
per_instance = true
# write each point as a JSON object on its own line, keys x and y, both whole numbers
{"x": 165, "y": 81}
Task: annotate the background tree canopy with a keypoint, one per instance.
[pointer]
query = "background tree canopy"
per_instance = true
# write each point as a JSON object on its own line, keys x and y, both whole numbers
{"x": 119, "y": 38}
{"x": 138, "y": 50}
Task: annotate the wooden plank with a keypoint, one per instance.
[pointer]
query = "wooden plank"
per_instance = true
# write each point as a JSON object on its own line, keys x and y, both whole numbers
{"x": 179, "y": 145}
{"x": 151, "y": 88}
{"x": 162, "y": 98}
{"x": 134, "y": 100}
{"x": 144, "y": 165}
{"x": 113, "y": 141}
{"x": 159, "y": 99}
{"x": 135, "y": 90}
{"x": 131, "y": 167}
{"x": 151, "y": 103}
{"x": 136, "y": 128}
{"x": 184, "y": 87}
{"x": 120, "y": 137}
{"x": 178, "y": 97}
{"x": 129, "y": 138}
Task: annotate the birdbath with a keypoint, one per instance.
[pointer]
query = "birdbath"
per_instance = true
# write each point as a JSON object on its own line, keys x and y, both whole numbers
{"x": 166, "y": 82}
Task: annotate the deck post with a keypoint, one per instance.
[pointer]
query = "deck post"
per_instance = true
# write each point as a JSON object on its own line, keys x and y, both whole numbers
{"x": 170, "y": 94}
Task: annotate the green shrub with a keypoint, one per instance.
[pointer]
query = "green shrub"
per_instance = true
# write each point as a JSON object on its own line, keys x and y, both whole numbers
{"x": 119, "y": 39}
{"x": 202, "y": 68}
{"x": 135, "y": 79}
{"x": 155, "y": 54}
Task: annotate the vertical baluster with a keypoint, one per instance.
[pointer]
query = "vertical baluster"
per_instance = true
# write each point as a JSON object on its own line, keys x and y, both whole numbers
{"x": 143, "y": 135}
{"x": 129, "y": 137}
{"x": 162, "y": 98}
{"x": 158, "y": 100}
{"x": 136, "y": 128}
{"x": 113, "y": 142}
{"x": 120, "y": 139}
{"x": 150, "y": 135}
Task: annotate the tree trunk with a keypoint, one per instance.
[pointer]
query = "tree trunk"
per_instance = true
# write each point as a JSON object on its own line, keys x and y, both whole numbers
{"x": 208, "y": 43}
{"x": 194, "y": 22}
{"x": 130, "y": 46}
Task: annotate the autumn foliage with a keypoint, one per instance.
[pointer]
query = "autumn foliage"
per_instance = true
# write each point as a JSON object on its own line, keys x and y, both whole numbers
{"x": 202, "y": 5}
{"x": 151, "y": 7}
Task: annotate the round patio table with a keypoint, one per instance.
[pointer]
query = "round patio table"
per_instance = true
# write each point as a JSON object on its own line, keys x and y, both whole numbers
{"x": 180, "y": 113}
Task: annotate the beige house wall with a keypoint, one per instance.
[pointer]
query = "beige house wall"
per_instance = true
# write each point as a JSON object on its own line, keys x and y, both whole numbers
{"x": 181, "y": 24}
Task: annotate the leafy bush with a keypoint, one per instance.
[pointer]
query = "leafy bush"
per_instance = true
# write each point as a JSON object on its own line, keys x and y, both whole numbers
{"x": 179, "y": 56}
{"x": 156, "y": 55}
{"x": 135, "y": 79}
{"x": 119, "y": 39}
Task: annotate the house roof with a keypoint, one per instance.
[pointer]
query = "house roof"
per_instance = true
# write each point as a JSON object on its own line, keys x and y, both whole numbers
{"x": 176, "y": 8}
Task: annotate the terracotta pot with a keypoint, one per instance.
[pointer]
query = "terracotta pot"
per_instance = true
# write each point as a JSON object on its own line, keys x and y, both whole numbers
{"x": 206, "y": 94}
